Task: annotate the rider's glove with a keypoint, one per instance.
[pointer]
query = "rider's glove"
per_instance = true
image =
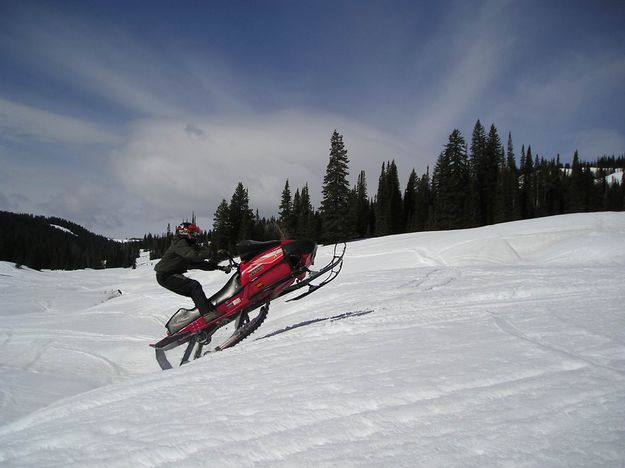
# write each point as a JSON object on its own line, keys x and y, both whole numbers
{"x": 223, "y": 254}
{"x": 226, "y": 269}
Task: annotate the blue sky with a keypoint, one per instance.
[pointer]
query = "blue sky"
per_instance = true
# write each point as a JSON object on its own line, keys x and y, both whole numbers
{"x": 124, "y": 116}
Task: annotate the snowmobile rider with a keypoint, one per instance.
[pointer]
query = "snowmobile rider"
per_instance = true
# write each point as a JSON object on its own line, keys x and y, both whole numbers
{"x": 184, "y": 254}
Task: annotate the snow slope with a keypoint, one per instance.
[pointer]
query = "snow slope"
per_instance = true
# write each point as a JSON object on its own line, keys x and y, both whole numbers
{"x": 497, "y": 346}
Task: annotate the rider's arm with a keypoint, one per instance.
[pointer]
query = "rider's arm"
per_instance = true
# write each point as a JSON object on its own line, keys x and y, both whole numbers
{"x": 204, "y": 265}
{"x": 190, "y": 253}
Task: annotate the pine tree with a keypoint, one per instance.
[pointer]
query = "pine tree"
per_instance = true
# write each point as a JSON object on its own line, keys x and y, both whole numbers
{"x": 492, "y": 162}
{"x": 389, "y": 212}
{"x": 581, "y": 187}
{"x": 382, "y": 203}
{"x": 241, "y": 216}
{"x": 334, "y": 204}
{"x": 285, "y": 215}
{"x": 359, "y": 207}
{"x": 509, "y": 198}
{"x": 294, "y": 229}
{"x": 222, "y": 227}
{"x": 304, "y": 216}
{"x": 540, "y": 186}
{"x": 449, "y": 183}
{"x": 424, "y": 208}
{"x": 477, "y": 164}
{"x": 553, "y": 202}
{"x": 410, "y": 203}
{"x": 526, "y": 197}
{"x": 395, "y": 205}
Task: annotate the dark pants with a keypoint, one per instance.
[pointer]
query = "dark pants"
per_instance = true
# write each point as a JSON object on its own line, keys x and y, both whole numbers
{"x": 184, "y": 286}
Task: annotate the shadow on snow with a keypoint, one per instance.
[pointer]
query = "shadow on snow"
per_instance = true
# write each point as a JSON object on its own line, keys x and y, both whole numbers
{"x": 334, "y": 318}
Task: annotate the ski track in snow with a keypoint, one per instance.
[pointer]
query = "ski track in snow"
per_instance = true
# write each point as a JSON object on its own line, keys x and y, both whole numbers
{"x": 498, "y": 346}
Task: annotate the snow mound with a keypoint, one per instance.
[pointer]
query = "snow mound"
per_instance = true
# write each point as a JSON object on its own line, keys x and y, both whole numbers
{"x": 575, "y": 240}
{"x": 497, "y": 346}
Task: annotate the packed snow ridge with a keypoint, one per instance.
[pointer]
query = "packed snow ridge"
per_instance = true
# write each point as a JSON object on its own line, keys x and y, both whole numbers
{"x": 497, "y": 346}
{"x": 64, "y": 229}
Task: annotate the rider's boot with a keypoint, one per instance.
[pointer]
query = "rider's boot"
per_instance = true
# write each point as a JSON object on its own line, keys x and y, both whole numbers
{"x": 206, "y": 309}
{"x": 209, "y": 312}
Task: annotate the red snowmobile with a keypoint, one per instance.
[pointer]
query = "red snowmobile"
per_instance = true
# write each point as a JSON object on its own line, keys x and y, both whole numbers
{"x": 267, "y": 270}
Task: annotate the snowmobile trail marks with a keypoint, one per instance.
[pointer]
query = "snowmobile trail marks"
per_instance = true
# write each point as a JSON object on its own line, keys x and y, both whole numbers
{"x": 313, "y": 321}
{"x": 433, "y": 280}
{"x": 571, "y": 360}
{"x": 8, "y": 336}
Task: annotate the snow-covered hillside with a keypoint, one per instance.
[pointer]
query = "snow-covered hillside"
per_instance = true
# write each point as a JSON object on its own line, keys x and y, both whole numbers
{"x": 497, "y": 346}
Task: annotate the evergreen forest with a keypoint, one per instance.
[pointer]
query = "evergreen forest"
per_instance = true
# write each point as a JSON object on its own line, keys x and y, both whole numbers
{"x": 57, "y": 244}
{"x": 473, "y": 183}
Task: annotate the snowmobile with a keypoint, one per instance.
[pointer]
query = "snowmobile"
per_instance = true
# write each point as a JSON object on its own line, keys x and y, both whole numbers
{"x": 266, "y": 271}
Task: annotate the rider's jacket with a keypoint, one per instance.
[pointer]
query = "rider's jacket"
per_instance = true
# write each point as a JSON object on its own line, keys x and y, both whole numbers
{"x": 183, "y": 255}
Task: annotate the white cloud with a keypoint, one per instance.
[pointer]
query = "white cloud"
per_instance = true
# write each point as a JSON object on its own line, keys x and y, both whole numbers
{"x": 168, "y": 166}
{"x": 19, "y": 122}
{"x": 46, "y": 188}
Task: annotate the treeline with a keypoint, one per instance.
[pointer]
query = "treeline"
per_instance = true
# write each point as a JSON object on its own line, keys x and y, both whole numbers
{"x": 480, "y": 183}
{"x": 235, "y": 221}
{"x": 35, "y": 242}
{"x": 472, "y": 184}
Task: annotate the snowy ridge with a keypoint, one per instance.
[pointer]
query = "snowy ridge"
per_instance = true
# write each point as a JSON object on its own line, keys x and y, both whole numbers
{"x": 484, "y": 347}
{"x": 64, "y": 229}
{"x": 614, "y": 178}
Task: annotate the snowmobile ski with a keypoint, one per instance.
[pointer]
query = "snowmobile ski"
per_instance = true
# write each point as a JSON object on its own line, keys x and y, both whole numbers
{"x": 332, "y": 269}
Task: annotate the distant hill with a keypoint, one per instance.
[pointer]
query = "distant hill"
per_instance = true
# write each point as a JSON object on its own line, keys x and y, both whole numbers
{"x": 41, "y": 242}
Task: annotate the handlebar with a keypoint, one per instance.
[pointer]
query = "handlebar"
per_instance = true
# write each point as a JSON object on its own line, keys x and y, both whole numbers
{"x": 232, "y": 264}
{"x": 226, "y": 269}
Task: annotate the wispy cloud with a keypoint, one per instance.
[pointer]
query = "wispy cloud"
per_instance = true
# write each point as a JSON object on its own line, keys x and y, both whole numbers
{"x": 467, "y": 54}
{"x": 114, "y": 66}
{"x": 557, "y": 108}
{"x": 94, "y": 199}
{"x": 20, "y": 123}
{"x": 563, "y": 87}
{"x": 194, "y": 163}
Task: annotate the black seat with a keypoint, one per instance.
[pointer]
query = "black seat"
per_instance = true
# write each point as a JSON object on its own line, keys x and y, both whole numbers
{"x": 300, "y": 247}
{"x": 248, "y": 249}
{"x": 232, "y": 287}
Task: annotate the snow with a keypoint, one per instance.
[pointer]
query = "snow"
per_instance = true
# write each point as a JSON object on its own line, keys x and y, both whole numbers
{"x": 61, "y": 228}
{"x": 497, "y": 346}
{"x": 615, "y": 178}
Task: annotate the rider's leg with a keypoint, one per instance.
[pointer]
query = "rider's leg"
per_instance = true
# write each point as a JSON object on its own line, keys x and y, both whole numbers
{"x": 188, "y": 287}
